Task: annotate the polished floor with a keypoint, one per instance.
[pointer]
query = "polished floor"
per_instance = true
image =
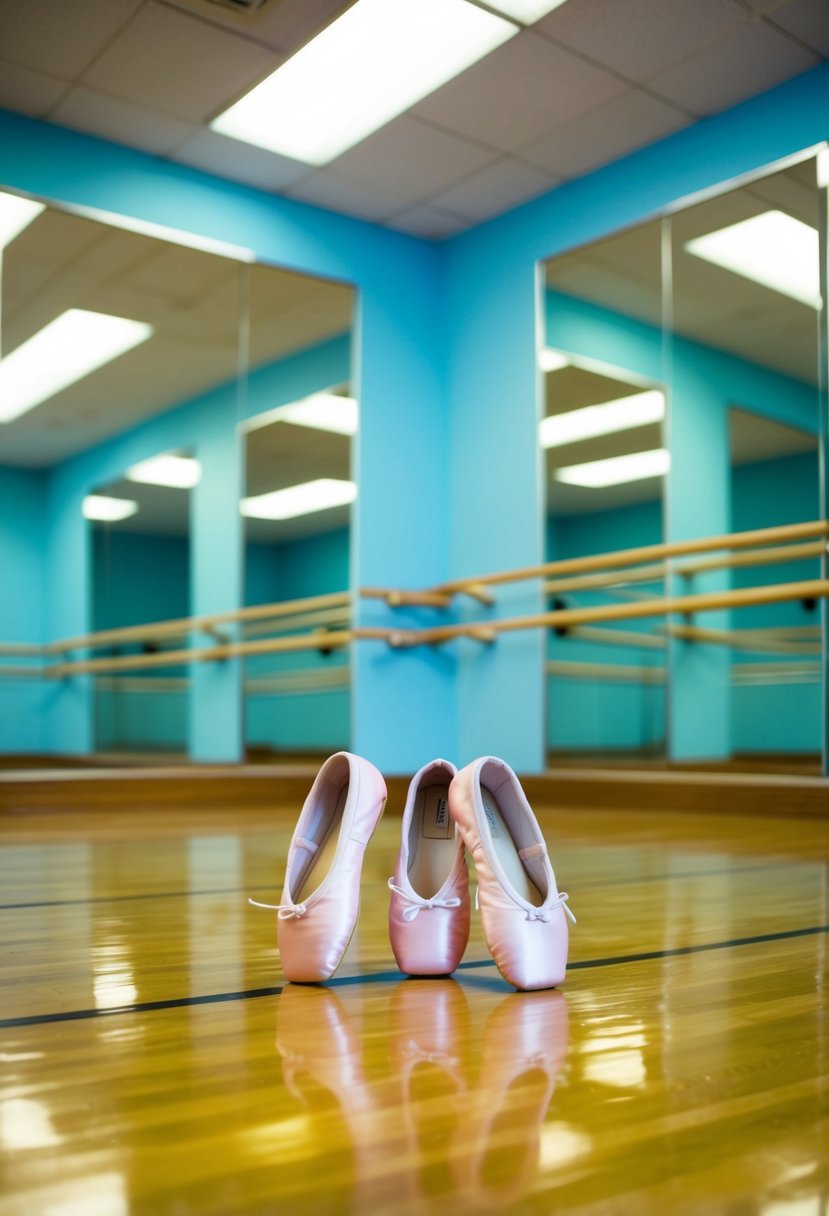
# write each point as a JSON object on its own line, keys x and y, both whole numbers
{"x": 153, "y": 1060}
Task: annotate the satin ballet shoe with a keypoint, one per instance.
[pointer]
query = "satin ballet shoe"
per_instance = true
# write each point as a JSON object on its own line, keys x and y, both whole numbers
{"x": 429, "y": 906}
{"x": 522, "y": 911}
{"x": 320, "y": 902}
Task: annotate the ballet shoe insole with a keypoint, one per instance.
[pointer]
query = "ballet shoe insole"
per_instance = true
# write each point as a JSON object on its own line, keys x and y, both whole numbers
{"x": 323, "y": 859}
{"x": 507, "y": 853}
{"x": 431, "y": 841}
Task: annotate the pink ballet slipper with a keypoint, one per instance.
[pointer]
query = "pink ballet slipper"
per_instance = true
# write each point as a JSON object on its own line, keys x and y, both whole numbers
{"x": 522, "y": 912}
{"x": 320, "y": 902}
{"x": 429, "y": 909}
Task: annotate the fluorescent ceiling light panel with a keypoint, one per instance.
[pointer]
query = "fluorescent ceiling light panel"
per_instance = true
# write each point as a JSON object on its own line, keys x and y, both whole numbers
{"x": 178, "y": 472}
{"x": 525, "y": 11}
{"x": 624, "y": 414}
{"x": 304, "y": 499}
{"x": 72, "y": 346}
{"x": 321, "y": 412}
{"x": 15, "y": 215}
{"x": 375, "y": 61}
{"x": 616, "y": 470}
{"x": 102, "y": 507}
{"x": 772, "y": 249}
{"x": 552, "y": 360}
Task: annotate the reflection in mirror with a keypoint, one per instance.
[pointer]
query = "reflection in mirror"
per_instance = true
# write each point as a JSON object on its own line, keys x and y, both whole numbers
{"x": 297, "y": 511}
{"x": 141, "y": 573}
{"x": 605, "y": 463}
{"x": 745, "y": 364}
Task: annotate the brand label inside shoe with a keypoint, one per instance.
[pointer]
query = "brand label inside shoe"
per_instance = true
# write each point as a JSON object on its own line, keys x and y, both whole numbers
{"x": 493, "y": 816}
{"x": 436, "y": 822}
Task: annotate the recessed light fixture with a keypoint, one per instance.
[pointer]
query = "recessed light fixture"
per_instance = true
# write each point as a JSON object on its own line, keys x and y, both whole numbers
{"x": 526, "y": 11}
{"x": 375, "y": 61}
{"x": 109, "y": 510}
{"x": 321, "y": 412}
{"x": 178, "y": 472}
{"x": 303, "y": 499}
{"x": 552, "y": 360}
{"x": 16, "y": 214}
{"x": 623, "y": 414}
{"x": 773, "y": 249}
{"x": 616, "y": 469}
{"x": 72, "y": 346}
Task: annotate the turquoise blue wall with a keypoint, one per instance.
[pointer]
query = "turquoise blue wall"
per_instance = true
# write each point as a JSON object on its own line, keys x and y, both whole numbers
{"x": 447, "y": 460}
{"x": 23, "y": 704}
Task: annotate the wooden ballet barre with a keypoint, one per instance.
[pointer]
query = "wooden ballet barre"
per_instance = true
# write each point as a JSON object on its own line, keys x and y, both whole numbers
{"x": 23, "y": 650}
{"x": 646, "y": 553}
{"x": 703, "y": 602}
{"x": 762, "y": 557}
{"x": 609, "y": 672}
{"x": 762, "y": 674}
{"x": 177, "y": 658}
{"x": 406, "y": 599}
{"x": 587, "y": 582}
{"x": 618, "y": 637}
{"x": 743, "y": 639}
{"x": 303, "y": 620}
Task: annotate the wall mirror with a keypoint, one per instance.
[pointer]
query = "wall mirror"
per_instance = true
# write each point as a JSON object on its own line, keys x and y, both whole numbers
{"x": 605, "y": 462}
{"x": 296, "y": 510}
{"x": 138, "y": 339}
{"x": 700, "y": 331}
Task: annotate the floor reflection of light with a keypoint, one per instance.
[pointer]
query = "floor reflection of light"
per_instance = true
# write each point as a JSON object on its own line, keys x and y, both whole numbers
{"x": 810, "y": 1206}
{"x": 26, "y": 1124}
{"x": 112, "y": 977}
{"x": 17, "y": 1057}
{"x": 97, "y": 1195}
{"x": 275, "y": 1137}
{"x": 625, "y": 1068}
{"x": 559, "y": 1144}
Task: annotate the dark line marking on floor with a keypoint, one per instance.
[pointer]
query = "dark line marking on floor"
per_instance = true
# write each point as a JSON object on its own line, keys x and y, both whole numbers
{"x": 76, "y": 1015}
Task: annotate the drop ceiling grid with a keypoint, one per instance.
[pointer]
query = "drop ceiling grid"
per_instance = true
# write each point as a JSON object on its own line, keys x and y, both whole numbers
{"x": 578, "y": 89}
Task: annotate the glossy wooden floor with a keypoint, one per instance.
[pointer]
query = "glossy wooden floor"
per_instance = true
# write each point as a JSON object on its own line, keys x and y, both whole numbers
{"x": 154, "y": 1062}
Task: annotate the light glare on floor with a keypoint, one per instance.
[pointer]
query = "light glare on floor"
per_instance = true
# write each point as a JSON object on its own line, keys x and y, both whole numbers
{"x": 72, "y": 346}
{"x": 616, "y": 469}
{"x": 773, "y": 249}
{"x": 108, "y": 510}
{"x": 177, "y": 472}
{"x": 374, "y": 62}
{"x": 303, "y": 499}
{"x": 623, "y": 414}
{"x": 16, "y": 214}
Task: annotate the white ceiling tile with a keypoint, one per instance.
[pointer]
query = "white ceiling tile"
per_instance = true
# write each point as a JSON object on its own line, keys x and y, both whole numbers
{"x": 28, "y": 92}
{"x": 502, "y": 185}
{"x": 178, "y": 64}
{"x": 121, "y": 121}
{"x": 240, "y": 162}
{"x": 807, "y": 20}
{"x": 605, "y": 134}
{"x": 519, "y": 92}
{"x": 323, "y": 189}
{"x": 411, "y": 158}
{"x": 646, "y": 36}
{"x": 285, "y": 25}
{"x": 429, "y": 222}
{"x": 57, "y": 37}
{"x": 732, "y": 69}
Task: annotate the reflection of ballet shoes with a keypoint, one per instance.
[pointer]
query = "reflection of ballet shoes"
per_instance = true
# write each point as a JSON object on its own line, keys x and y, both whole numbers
{"x": 318, "y": 1043}
{"x": 522, "y": 911}
{"x": 524, "y": 1048}
{"x": 320, "y": 901}
{"x": 429, "y": 1043}
{"x": 429, "y": 907}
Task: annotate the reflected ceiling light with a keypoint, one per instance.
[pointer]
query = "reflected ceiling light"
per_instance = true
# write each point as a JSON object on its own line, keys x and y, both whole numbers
{"x": 616, "y": 470}
{"x": 178, "y": 472}
{"x": 304, "y": 499}
{"x": 322, "y": 412}
{"x": 102, "y": 507}
{"x": 16, "y": 214}
{"x": 823, "y": 168}
{"x": 72, "y": 346}
{"x": 375, "y": 61}
{"x": 605, "y": 419}
{"x": 773, "y": 249}
{"x": 552, "y": 360}
{"x": 526, "y": 11}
